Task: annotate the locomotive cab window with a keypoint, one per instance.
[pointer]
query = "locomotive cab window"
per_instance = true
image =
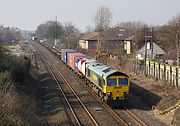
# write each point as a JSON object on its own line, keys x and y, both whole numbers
{"x": 123, "y": 82}
{"x": 111, "y": 82}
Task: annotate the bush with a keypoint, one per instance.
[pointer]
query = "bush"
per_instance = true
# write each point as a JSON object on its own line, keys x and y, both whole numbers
{"x": 17, "y": 66}
{"x": 16, "y": 109}
{"x": 4, "y": 77}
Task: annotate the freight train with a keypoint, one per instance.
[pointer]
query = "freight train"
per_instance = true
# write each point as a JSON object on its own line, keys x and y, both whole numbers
{"x": 109, "y": 83}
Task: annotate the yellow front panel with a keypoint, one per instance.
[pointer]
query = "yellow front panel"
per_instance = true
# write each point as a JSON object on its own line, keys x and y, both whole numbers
{"x": 117, "y": 91}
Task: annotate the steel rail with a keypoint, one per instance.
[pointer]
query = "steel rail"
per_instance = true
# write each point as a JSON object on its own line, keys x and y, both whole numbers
{"x": 141, "y": 123}
{"x": 135, "y": 118}
{"x": 85, "y": 108}
{"x": 54, "y": 77}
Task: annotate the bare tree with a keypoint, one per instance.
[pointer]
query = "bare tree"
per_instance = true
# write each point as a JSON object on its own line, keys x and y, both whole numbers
{"x": 89, "y": 29}
{"x": 103, "y": 19}
{"x": 135, "y": 28}
{"x": 71, "y": 35}
{"x": 168, "y": 36}
{"x": 176, "y": 27}
{"x": 41, "y": 31}
{"x": 9, "y": 34}
{"x": 47, "y": 30}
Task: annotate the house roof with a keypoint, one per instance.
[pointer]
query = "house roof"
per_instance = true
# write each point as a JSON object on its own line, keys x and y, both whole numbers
{"x": 111, "y": 34}
{"x": 90, "y": 36}
{"x": 156, "y": 50}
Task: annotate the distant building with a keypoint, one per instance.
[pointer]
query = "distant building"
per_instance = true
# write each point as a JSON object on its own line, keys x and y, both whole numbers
{"x": 113, "y": 40}
{"x": 34, "y": 38}
{"x": 158, "y": 52}
{"x": 89, "y": 41}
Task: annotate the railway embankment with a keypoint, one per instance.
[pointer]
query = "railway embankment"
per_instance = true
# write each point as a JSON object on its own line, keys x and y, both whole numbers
{"x": 165, "y": 100}
{"x": 159, "y": 96}
{"x": 148, "y": 97}
{"x": 27, "y": 94}
{"x": 18, "y": 105}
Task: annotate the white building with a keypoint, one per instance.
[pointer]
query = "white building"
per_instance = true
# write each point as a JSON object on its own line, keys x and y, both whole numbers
{"x": 155, "y": 51}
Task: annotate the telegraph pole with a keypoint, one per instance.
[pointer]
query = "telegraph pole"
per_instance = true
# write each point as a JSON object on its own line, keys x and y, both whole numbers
{"x": 99, "y": 46}
{"x": 55, "y": 32}
{"x": 177, "y": 44}
{"x": 145, "y": 55}
{"x": 149, "y": 40}
{"x": 148, "y": 36}
{"x": 152, "y": 38}
{"x": 177, "y": 40}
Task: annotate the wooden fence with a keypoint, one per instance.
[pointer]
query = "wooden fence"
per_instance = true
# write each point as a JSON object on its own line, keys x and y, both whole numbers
{"x": 168, "y": 73}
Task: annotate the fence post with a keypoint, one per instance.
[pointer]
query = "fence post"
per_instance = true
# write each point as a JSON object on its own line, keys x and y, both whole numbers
{"x": 165, "y": 73}
{"x": 177, "y": 73}
{"x": 154, "y": 70}
{"x": 170, "y": 75}
{"x": 159, "y": 69}
{"x": 149, "y": 68}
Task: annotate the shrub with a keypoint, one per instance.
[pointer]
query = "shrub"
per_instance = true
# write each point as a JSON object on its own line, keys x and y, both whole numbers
{"x": 4, "y": 77}
{"x": 17, "y": 66}
{"x": 16, "y": 109}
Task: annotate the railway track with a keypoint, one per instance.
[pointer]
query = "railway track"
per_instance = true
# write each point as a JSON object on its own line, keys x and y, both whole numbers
{"x": 131, "y": 116}
{"x": 118, "y": 115}
{"x": 79, "y": 120}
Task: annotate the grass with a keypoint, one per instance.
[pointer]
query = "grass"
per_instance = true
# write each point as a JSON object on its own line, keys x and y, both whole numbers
{"x": 9, "y": 47}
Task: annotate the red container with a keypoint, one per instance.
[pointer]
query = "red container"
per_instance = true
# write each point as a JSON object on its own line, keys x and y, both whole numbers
{"x": 72, "y": 57}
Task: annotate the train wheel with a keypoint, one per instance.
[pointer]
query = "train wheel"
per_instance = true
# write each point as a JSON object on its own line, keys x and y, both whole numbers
{"x": 99, "y": 94}
{"x": 105, "y": 99}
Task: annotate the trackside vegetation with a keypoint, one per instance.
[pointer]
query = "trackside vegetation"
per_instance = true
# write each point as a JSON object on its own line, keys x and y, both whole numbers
{"x": 17, "y": 108}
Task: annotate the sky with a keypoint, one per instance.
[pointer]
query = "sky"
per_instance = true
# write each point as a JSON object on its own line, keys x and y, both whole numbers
{"x": 28, "y": 14}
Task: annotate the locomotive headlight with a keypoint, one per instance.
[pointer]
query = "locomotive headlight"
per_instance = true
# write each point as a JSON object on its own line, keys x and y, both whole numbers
{"x": 125, "y": 93}
{"x": 109, "y": 93}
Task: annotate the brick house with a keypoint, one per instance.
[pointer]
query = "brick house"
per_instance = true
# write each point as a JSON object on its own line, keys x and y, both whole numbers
{"x": 113, "y": 40}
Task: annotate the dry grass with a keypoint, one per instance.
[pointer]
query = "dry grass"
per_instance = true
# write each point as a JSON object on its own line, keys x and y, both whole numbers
{"x": 16, "y": 108}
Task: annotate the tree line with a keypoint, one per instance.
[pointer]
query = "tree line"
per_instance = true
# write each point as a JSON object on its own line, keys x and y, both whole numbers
{"x": 67, "y": 33}
{"x": 166, "y": 36}
{"x": 9, "y": 34}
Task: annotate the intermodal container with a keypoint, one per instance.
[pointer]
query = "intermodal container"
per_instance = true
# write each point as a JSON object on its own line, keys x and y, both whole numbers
{"x": 68, "y": 57}
{"x": 72, "y": 57}
{"x": 64, "y": 54}
{"x": 77, "y": 59}
{"x": 84, "y": 65}
{"x": 81, "y": 61}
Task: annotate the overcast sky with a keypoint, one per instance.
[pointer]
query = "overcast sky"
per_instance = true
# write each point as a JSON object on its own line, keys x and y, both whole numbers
{"x": 28, "y": 14}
